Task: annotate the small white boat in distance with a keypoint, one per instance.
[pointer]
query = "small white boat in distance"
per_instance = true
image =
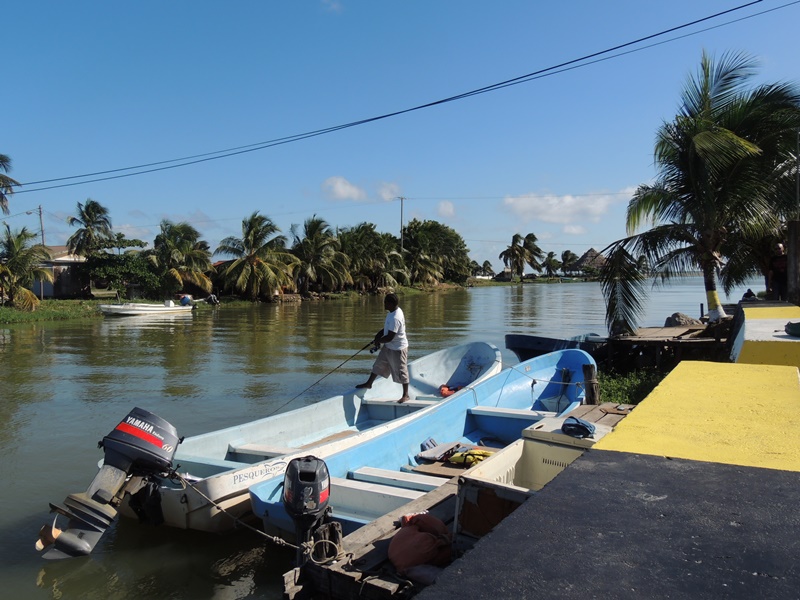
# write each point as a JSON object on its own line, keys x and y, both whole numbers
{"x": 129, "y": 309}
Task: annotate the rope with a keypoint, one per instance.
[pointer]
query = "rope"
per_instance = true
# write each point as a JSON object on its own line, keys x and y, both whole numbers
{"x": 539, "y": 380}
{"x": 285, "y": 404}
{"x": 310, "y": 547}
{"x": 186, "y": 483}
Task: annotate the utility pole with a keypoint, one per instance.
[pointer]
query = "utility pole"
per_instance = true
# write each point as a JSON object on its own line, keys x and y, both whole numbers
{"x": 402, "y": 199}
{"x": 41, "y": 227}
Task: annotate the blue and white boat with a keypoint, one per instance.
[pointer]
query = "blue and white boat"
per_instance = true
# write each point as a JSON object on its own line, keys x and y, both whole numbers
{"x": 380, "y": 474}
{"x": 218, "y": 467}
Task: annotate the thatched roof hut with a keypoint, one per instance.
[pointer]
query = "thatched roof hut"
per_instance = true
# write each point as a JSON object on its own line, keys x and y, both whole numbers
{"x": 591, "y": 259}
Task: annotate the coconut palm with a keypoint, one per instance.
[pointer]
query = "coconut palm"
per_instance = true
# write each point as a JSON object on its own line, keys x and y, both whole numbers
{"x": 535, "y": 253}
{"x": 21, "y": 264}
{"x": 320, "y": 261}
{"x": 434, "y": 252}
{"x": 95, "y": 228}
{"x": 568, "y": 260}
{"x": 375, "y": 260}
{"x": 262, "y": 264}
{"x": 487, "y": 268}
{"x": 180, "y": 257}
{"x": 720, "y": 164}
{"x": 551, "y": 264}
{"x": 6, "y": 183}
{"x": 522, "y": 251}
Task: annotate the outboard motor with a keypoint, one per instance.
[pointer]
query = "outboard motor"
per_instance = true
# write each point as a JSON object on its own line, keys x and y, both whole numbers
{"x": 141, "y": 446}
{"x": 306, "y": 492}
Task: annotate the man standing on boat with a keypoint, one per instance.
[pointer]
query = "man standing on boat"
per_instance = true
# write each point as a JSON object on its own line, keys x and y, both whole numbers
{"x": 393, "y": 357}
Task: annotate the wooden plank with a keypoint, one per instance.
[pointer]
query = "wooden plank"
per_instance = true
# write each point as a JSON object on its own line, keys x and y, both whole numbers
{"x": 600, "y": 414}
{"x": 414, "y": 481}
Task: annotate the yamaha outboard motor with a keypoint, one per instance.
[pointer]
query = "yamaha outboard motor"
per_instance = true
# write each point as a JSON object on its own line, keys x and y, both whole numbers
{"x": 306, "y": 492}
{"x": 141, "y": 446}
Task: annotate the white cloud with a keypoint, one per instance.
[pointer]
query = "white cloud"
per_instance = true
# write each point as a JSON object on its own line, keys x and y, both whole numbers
{"x": 574, "y": 229}
{"x": 339, "y": 188}
{"x": 446, "y": 208}
{"x": 388, "y": 191}
{"x": 564, "y": 209}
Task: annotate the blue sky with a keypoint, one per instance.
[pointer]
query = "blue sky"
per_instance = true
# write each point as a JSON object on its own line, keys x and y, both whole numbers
{"x": 96, "y": 86}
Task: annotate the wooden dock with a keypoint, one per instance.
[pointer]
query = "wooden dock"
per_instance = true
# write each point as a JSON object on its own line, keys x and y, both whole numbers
{"x": 664, "y": 347}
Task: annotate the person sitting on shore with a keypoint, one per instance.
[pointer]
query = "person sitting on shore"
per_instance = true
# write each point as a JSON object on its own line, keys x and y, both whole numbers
{"x": 749, "y": 295}
{"x": 393, "y": 357}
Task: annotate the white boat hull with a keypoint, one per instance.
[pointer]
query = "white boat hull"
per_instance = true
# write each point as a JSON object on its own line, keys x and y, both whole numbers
{"x": 130, "y": 309}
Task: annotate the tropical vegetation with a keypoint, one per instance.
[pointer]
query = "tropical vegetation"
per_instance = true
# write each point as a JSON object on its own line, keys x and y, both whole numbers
{"x": 721, "y": 194}
{"x": 522, "y": 251}
{"x": 264, "y": 263}
{"x": 21, "y": 263}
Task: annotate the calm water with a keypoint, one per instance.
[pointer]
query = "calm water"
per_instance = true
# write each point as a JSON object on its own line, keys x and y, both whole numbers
{"x": 63, "y": 386}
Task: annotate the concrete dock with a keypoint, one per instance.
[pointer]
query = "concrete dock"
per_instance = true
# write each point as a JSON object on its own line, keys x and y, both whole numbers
{"x": 696, "y": 494}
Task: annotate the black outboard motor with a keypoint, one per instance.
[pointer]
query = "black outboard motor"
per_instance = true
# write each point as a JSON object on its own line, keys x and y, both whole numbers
{"x": 141, "y": 446}
{"x": 306, "y": 492}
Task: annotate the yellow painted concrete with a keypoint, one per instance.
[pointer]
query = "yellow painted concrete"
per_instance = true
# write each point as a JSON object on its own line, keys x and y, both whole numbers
{"x": 770, "y": 353}
{"x": 790, "y": 313}
{"x": 763, "y": 341}
{"x": 736, "y": 414}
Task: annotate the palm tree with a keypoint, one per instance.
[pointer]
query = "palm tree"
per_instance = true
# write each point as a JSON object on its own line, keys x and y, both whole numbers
{"x": 487, "y": 268}
{"x": 568, "y": 260}
{"x": 20, "y": 265}
{"x": 522, "y": 251}
{"x": 375, "y": 259}
{"x": 720, "y": 164}
{"x": 181, "y": 257}
{"x": 320, "y": 261}
{"x": 551, "y": 264}
{"x": 6, "y": 183}
{"x": 95, "y": 228}
{"x": 434, "y": 253}
{"x": 262, "y": 264}
{"x": 534, "y": 253}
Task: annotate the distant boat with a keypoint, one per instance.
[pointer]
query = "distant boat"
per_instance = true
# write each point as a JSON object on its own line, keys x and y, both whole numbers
{"x": 380, "y": 474}
{"x": 531, "y": 346}
{"x": 129, "y": 309}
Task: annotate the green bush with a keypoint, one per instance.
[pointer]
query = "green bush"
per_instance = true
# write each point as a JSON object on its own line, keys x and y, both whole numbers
{"x": 628, "y": 388}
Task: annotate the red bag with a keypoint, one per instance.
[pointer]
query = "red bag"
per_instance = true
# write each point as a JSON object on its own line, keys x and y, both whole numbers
{"x": 422, "y": 540}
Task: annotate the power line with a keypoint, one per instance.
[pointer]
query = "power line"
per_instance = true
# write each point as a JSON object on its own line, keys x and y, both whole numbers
{"x": 199, "y": 158}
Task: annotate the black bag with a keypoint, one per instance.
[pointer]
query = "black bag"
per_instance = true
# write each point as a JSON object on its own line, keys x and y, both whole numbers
{"x": 577, "y": 428}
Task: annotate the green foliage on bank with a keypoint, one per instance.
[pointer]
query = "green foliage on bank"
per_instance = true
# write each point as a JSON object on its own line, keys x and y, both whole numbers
{"x": 52, "y": 310}
{"x": 628, "y": 388}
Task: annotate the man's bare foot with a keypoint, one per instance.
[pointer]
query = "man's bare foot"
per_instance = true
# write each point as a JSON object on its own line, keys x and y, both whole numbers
{"x": 403, "y": 399}
{"x": 364, "y": 386}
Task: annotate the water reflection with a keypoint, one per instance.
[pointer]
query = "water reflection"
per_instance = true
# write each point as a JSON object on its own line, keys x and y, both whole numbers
{"x": 66, "y": 385}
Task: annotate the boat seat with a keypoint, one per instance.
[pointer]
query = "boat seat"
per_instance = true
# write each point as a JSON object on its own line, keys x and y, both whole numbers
{"x": 362, "y": 502}
{"x": 402, "y": 479}
{"x": 514, "y": 413}
{"x": 262, "y": 450}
